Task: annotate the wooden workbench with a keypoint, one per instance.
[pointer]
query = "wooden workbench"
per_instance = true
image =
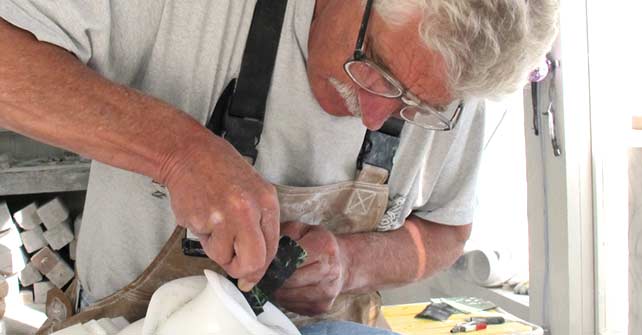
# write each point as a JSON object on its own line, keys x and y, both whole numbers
{"x": 401, "y": 319}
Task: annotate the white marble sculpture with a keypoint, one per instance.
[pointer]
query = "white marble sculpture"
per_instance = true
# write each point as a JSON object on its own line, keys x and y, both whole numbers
{"x": 208, "y": 304}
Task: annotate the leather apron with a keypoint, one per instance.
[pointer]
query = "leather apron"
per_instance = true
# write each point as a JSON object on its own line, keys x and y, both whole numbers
{"x": 343, "y": 208}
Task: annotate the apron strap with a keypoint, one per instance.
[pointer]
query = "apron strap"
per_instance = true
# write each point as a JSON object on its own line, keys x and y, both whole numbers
{"x": 239, "y": 112}
{"x": 372, "y": 174}
{"x": 379, "y": 149}
{"x": 238, "y": 117}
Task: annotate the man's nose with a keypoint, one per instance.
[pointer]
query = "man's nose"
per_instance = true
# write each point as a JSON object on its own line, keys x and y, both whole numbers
{"x": 375, "y": 110}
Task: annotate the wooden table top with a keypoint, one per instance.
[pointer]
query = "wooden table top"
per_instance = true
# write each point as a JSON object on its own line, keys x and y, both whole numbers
{"x": 401, "y": 319}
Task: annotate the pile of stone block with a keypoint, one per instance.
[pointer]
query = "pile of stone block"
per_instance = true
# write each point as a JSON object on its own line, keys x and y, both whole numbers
{"x": 31, "y": 247}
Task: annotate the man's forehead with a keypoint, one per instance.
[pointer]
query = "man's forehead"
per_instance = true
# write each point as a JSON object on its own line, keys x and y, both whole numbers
{"x": 405, "y": 55}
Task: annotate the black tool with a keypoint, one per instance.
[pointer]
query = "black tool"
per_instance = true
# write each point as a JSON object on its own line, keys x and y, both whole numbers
{"x": 437, "y": 311}
{"x": 489, "y": 320}
{"x": 288, "y": 257}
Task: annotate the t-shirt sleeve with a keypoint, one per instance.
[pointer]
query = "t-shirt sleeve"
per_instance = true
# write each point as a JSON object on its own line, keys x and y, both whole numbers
{"x": 452, "y": 199}
{"x": 74, "y": 25}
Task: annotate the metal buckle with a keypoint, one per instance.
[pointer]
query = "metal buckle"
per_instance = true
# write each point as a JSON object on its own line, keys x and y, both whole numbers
{"x": 244, "y": 134}
{"x": 379, "y": 150}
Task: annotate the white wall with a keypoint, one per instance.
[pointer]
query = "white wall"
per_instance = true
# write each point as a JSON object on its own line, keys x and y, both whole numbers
{"x": 635, "y": 241}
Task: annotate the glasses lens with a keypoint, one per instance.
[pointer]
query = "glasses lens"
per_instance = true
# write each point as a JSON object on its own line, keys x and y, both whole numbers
{"x": 372, "y": 80}
{"x": 424, "y": 118}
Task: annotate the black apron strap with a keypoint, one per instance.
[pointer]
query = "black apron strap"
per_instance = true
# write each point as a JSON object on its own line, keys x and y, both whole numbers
{"x": 379, "y": 147}
{"x": 244, "y": 99}
{"x": 239, "y": 112}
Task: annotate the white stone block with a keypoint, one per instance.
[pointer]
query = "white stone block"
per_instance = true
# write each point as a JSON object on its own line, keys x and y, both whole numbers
{"x": 77, "y": 224}
{"x": 27, "y": 218}
{"x": 5, "y": 217}
{"x": 4, "y": 287}
{"x": 72, "y": 249}
{"x": 14, "y": 286}
{"x": 40, "y": 291}
{"x": 11, "y": 238}
{"x": 61, "y": 274}
{"x": 29, "y": 275}
{"x": 95, "y": 328}
{"x": 12, "y": 260}
{"x": 53, "y": 267}
{"x": 6, "y": 260}
{"x": 59, "y": 236}
{"x": 26, "y": 297}
{"x": 53, "y": 213}
{"x": 120, "y": 322}
{"x": 108, "y": 326}
{"x": 45, "y": 260}
{"x": 33, "y": 240}
{"x": 77, "y": 329}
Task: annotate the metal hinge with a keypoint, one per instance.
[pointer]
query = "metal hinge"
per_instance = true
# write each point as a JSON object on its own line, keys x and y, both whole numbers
{"x": 546, "y": 73}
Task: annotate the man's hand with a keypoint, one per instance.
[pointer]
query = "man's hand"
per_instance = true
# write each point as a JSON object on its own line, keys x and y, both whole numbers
{"x": 235, "y": 213}
{"x": 316, "y": 284}
{"x": 47, "y": 94}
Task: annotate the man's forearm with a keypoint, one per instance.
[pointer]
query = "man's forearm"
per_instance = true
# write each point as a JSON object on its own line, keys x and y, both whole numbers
{"x": 417, "y": 250}
{"x": 47, "y": 94}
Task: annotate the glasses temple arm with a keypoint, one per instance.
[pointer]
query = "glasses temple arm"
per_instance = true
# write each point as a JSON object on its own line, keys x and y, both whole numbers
{"x": 358, "y": 49}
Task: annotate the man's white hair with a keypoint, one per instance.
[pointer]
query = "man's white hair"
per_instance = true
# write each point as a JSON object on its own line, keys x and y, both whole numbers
{"x": 489, "y": 46}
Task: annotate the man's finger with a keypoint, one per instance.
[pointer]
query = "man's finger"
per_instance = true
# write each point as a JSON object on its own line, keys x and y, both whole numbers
{"x": 302, "y": 294}
{"x": 249, "y": 259}
{"x": 270, "y": 227}
{"x": 218, "y": 248}
{"x": 295, "y": 230}
{"x": 307, "y": 275}
{"x": 313, "y": 255}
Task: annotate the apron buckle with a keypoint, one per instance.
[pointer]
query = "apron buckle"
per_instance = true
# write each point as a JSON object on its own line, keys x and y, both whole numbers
{"x": 244, "y": 134}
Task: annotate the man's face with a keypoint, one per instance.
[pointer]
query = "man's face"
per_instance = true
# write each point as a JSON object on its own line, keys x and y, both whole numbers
{"x": 399, "y": 49}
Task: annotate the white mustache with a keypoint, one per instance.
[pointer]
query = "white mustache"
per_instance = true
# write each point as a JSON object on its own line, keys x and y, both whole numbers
{"x": 349, "y": 96}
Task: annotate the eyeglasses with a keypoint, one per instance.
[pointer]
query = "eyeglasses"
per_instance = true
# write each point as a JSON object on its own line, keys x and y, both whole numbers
{"x": 376, "y": 80}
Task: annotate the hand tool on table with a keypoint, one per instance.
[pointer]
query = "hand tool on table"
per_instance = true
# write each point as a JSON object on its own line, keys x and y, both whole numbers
{"x": 489, "y": 320}
{"x": 468, "y": 327}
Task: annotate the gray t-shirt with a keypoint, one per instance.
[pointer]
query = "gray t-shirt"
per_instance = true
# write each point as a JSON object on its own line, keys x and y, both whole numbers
{"x": 185, "y": 53}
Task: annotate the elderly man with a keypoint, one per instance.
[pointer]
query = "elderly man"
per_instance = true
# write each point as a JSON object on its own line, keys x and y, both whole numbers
{"x": 132, "y": 83}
